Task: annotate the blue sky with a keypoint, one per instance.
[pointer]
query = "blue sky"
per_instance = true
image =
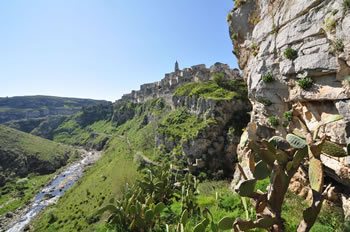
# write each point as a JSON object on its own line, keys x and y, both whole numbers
{"x": 103, "y": 48}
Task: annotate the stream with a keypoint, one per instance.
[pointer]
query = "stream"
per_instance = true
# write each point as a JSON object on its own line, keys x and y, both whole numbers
{"x": 52, "y": 191}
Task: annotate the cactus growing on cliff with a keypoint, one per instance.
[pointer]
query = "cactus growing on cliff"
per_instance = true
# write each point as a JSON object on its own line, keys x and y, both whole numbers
{"x": 281, "y": 158}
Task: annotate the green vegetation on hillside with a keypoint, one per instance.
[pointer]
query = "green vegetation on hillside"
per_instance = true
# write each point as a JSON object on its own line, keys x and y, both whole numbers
{"x": 26, "y": 163}
{"x": 22, "y": 153}
{"x": 90, "y": 128}
{"x": 218, "y": 89}
{"x": 107, "y": 179}
{"x": 16, "y": 194}
{"x": 182, "y": 125}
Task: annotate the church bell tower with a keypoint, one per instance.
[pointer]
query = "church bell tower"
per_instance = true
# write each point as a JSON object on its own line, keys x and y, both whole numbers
{"x": 177, "y": 67}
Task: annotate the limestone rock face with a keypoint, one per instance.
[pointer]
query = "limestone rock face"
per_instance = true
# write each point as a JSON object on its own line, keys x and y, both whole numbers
{"x": 317, "y": 31}
{"x": 214, "y": 149}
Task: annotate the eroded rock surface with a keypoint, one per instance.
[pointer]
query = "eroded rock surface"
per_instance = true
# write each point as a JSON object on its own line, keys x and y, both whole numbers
{"x": 318, "y": 31}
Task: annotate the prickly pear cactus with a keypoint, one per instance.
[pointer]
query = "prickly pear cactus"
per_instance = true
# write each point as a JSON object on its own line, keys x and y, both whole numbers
{"x": 316, "y": 174}
{"x": 296, "y": 141}
{"x": 332, "y": 149}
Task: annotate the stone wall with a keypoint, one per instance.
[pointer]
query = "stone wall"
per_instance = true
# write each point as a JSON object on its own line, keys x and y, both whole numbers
{"x": 318, "y": 30}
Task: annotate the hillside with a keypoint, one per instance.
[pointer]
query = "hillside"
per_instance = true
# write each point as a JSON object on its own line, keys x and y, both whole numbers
{"x": 192, "y": 127}
{"x": 22, "y": 153}
{"x": 31, "y": 107}
{"x": 27, "y": 162}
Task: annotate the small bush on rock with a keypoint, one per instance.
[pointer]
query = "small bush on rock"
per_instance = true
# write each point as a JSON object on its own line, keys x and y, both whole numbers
{"x": 330, "y": 24}
{"x": 273, "y": 121}
{"x": 305, "y": 83}
{"x": 338, "y": 45}
{"x": 290, "y": 54}
{"x": 267, "y": 77}
{"x": 346, "y": 5}
{"x": 264, "y": 101}
{"x": 238, "y": 3}
{"x": 288, "y": 115}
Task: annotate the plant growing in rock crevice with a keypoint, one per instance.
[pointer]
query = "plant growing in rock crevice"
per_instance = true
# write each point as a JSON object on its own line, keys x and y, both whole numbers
{"x": 290, "y": 53}
{"x": 273, "y": 121}
{"x": 229, "y": 17}
{"x": 239, "y": 3}
{"x": 330, "y": 24}
{"x": 305, "y": 83}
{"x": 288, "y": 115}
{"x": 337, "y": 46}
{"x": 255, "y": 49}
{"x": 280, "y": 158}
{"x": 264, "y": 101}
{"x": 346, "y": 5}
{"x": 267, "y": 77}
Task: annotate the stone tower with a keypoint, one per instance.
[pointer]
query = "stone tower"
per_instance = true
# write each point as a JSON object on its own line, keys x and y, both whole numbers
{"x": 177, "y": 67}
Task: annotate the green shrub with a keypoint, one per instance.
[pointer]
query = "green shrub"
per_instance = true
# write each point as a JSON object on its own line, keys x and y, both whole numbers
{"x": 330, "y": 24}
{"x": 264, "y": 101}
{"x": 255, "y": 49}
{"x": 346, "y": 5}
{"x": 238, "y": 3}
{"x": 337, "y": 46}
{"x": 290, "y": 53}
{"x": 288, "y": 115}
{"x": 217, "y": 89}
{"x": 219, "y": 78}
{"x": 273, "y": 121}
{"x": 229, "y": 17}
{"x": 267, "y": 77}
{"x": 228, "y": 202}
{"x": 305, "y": 83}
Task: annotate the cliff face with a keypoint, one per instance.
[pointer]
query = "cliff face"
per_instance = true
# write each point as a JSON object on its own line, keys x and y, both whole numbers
{"x": 205, "y": 119}
{"x": 296, "y": 52}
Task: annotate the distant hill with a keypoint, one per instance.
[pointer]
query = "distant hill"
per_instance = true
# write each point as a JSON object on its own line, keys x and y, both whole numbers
{"x": 22, "y": 154}
{"x": 32, "y": 107}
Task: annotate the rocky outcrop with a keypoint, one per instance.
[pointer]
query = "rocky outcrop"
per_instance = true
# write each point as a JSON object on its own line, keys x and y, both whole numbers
{"x": 213, "y": 149}
{"x": 294, "y": 41}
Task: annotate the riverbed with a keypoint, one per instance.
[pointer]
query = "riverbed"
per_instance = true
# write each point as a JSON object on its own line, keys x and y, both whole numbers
{"x": 52, "y": 191}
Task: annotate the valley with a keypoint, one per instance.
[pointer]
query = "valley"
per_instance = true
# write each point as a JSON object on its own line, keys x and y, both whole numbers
{"x": 262, "y": 147}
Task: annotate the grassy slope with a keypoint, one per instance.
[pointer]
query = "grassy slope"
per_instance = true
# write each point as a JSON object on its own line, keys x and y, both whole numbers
{"x": 26, "y": 144}
{"x": 116, "y": 168}
{"x": 105, "y": 180}
{"x": 102, "y": 182}
{"x": 21, "y": 145}
{"x": 14, "y": 196}
{"x": 212, "y": 90}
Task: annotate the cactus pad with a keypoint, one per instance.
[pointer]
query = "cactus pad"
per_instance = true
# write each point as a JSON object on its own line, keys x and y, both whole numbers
{"x": 226, "y": 223}
{"x": 246, "y": 188}
{"x": 261, "y": 171}
{"x": 316, "y": 174}
{"x": 279, "y": 142}
{"x": 296, "y": 141}
{"x": 333, "y": 149}
{"x": 299, "y": 156}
